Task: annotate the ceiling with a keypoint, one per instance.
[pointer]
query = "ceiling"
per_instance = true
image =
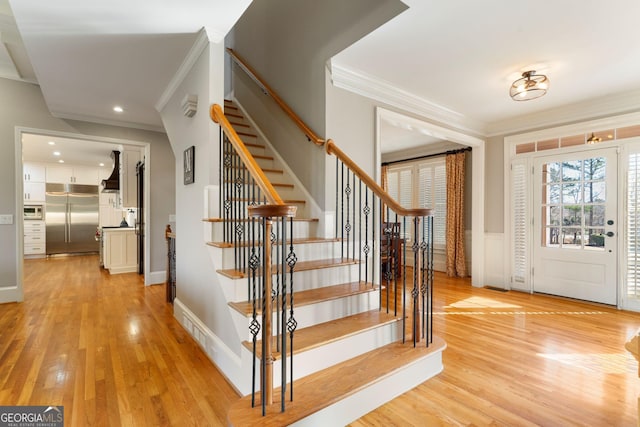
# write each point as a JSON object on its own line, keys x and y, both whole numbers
{"x": 452, "y": 60}
{"x": 39, "y": 148}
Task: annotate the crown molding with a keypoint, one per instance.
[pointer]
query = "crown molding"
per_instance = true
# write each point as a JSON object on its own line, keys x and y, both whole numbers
{"x": 382, "y": 91}
{"x": 606, "y": 106}
{"x": 196, "y": 50}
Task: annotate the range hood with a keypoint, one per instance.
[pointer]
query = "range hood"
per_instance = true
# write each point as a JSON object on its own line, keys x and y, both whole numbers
{"x": 112, "y": 184}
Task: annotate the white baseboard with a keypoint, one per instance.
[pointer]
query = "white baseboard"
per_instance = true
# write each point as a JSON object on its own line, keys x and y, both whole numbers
{"x": 227, "y": 362}
{"x": 156, "y": 278}
{"x": 11, "y": 294}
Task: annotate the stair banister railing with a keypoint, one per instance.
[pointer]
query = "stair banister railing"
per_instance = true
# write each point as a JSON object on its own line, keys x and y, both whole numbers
{"x": 311, "y": 136}
{"x": 256, "y": 222}
{"x": 419, "y": 231}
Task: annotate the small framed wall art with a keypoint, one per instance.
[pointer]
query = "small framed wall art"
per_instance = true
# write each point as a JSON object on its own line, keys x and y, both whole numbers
{"x": 189, "y": 160}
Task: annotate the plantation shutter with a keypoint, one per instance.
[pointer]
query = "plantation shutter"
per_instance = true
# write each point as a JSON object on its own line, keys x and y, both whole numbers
{"x": 520, "y": 211}
{"x": 633, "y": 227}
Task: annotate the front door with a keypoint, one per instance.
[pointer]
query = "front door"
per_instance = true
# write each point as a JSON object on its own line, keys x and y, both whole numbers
{"x": 575, "y": 225}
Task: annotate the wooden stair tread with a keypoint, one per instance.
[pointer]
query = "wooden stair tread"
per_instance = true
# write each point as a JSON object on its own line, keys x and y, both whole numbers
{"x": 255, "y": 156}
{"x": 265, "y": 170}
{"x": 296, "y": 219}
{"x": 312, "y": 296}
{"x": 319, "y": 390}
{"x": 275, "y": 184}
{"x": 325, "y": 333}
{"x": 295, "y": 242}
{"x": 300, "y": 266}
{"x": 286, "y": 202}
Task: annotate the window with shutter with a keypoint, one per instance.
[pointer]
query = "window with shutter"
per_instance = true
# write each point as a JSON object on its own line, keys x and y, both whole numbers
{"x": 519, "y": 200}
{"x": 422, "y": 184}
{"x": 633, "y": 226}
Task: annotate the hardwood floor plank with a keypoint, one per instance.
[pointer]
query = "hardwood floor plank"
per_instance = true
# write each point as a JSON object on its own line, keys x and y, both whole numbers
{"x": 110, "y": 351}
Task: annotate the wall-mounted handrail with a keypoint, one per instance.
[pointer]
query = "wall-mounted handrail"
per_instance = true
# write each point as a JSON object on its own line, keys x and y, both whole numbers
{"x": 272, "y": 196}
{"x": 283, "y": 105}
{"x": 332, "y": 148}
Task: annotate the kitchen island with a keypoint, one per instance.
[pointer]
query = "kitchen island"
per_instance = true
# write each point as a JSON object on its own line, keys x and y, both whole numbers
{"x": 120, "y": 249}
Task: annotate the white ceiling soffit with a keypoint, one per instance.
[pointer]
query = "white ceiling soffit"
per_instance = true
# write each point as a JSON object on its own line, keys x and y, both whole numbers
{"x": 90, "y": 56}
{"x": 14, "y": 62}
{"x": 453, "y": 61}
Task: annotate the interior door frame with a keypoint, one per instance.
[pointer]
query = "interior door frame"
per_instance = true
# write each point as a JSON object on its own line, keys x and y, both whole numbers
{"x": 19, "y": 131}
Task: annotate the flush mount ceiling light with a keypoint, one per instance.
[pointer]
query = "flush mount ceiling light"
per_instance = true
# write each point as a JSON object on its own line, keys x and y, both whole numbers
{"x": 529, "y": 86}
{"x": 118, "y": 109}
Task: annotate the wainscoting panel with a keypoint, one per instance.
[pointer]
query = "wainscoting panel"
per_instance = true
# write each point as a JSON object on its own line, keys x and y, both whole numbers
{"x": 494, "y": 260}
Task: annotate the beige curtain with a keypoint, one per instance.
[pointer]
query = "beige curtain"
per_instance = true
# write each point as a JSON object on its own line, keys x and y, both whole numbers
{"x": 456, "y": 260}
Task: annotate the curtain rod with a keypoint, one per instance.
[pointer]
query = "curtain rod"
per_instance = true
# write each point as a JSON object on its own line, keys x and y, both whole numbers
{"x": 444, "y": 153}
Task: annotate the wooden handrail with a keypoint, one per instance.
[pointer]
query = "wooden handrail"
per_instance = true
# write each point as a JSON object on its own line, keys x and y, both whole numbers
{"x": 369, "y": 182}
{"x": 217, "y": 115}
{"x": 288, "y": 111}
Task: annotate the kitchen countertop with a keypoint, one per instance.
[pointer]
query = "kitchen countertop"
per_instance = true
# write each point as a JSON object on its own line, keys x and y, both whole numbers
{"x": 116, "y": 228}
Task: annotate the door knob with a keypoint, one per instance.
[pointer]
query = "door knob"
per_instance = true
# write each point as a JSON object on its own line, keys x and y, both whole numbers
{"x": 610, "y": 234}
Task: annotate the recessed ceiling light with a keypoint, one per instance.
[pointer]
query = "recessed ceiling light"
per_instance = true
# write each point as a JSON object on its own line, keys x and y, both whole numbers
{"x": 101, "y": 164}
{"x": 52, "y": 143}
{"x": 56, "y": 153}
{"x": 60, "y": 161}
{"x": 118, "y": 109}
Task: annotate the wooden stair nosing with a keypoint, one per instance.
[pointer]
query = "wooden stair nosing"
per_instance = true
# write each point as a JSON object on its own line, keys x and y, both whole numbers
{"x": 318, "y": 391}
{"x": 315, "y": 336}
{"x": 301, "y": 241}
{"x": 255, "y": 156}
{"x": 275, "y": 184}
{"x": 300, "y": 266}
{"x": 213, "y": 219}
{"x": 286, "y": 202}
{"x": 265, "y": 170}
{"x": 312, "y": 296}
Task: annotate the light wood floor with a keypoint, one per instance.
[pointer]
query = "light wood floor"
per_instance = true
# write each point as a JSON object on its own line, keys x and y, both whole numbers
{"x": 109, "y": 350}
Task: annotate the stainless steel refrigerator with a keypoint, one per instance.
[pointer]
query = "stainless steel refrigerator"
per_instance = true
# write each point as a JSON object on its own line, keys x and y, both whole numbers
{"x": 71, "y": 218}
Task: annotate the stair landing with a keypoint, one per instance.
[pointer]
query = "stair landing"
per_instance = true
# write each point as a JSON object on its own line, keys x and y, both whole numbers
{"x": 346, "y": 391}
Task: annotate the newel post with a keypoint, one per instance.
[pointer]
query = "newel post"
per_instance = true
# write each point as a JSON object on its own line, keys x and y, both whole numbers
{"x": 270, "y": 235}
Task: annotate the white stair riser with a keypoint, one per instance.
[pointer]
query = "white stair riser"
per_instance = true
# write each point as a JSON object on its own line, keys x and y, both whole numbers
{"x": 301, "y": 230}
{"x": 327, "y": 355}
{"x": 313, "y": 314}
{"x": 304, "y": 252}
{"x": 236, "y": 289}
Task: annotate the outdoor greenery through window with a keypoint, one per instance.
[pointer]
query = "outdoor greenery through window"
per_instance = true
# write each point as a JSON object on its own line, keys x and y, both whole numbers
{"x": 573, "y": 204}
{"x": 422, "y": 185}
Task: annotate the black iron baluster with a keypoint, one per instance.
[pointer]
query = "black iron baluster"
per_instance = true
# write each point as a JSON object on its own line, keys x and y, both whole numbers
{"x": 415, "y": 291}
{"x": 292, "y": 324}
{"x": 254, "y": 326}
{"x": 342, "y": 213}
{"x": 347, "y": 227}
{"x": 283, "y": 316}
{"x": 353, "y": 222}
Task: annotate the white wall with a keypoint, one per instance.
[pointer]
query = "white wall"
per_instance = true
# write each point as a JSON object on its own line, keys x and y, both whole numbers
{"x": 23, "y": 106}
{"x": 198, "y": 291}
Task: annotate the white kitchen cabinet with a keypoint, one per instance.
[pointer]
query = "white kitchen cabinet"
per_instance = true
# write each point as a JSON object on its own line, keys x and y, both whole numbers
{"x": 34, "y": 238}
{"x": 128, "y": 179}
{"x": 34, "y": 192}
{"x": 120, "y": 250}
{"x": 33, "y": 172}
{"x": 72, "y": 175}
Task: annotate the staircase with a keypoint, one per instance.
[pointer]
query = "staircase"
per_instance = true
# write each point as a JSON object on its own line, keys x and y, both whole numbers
{"x": 348, "y": 355}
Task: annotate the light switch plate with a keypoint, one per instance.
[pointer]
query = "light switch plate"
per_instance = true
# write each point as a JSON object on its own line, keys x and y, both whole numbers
{"x": 172, "y": 218}
{"x": 6, "y": 219}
